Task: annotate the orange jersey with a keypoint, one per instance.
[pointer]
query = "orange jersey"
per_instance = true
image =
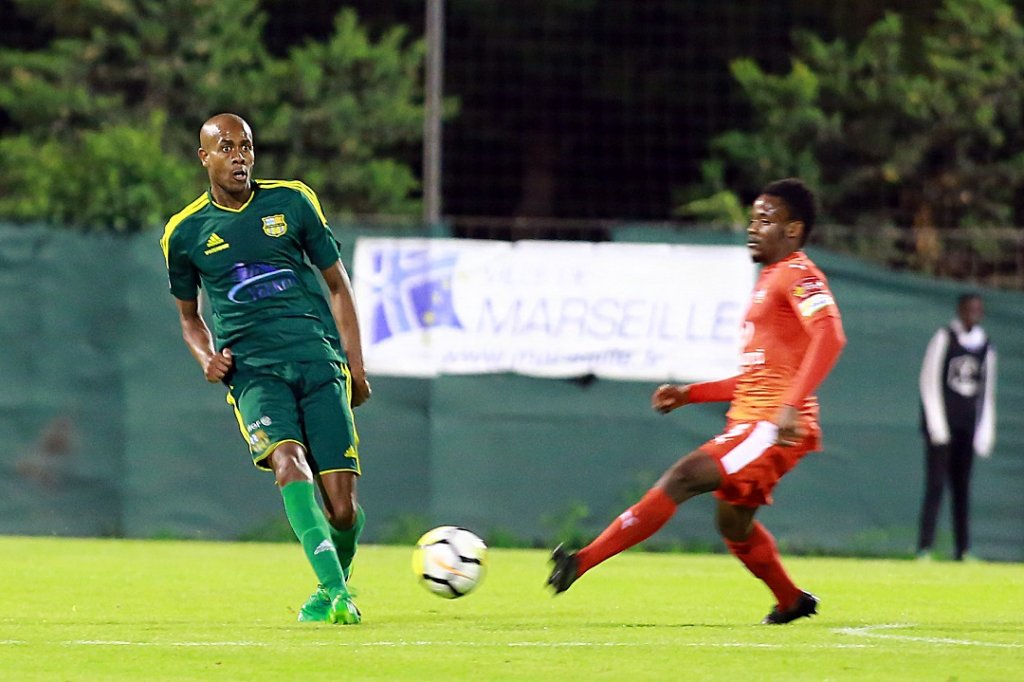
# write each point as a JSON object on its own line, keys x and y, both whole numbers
{"x": 788, "y": 298}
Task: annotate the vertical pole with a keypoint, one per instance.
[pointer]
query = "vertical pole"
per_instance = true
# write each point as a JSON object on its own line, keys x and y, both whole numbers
{"x": 432, "y": 114}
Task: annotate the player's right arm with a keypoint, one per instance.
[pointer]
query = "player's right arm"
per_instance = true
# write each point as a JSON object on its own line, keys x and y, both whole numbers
{"x": 199, "y": 340}
{"x": 183, "y": 279}
{"x": 930, "y": 382}
{"x": 668, "y": 397}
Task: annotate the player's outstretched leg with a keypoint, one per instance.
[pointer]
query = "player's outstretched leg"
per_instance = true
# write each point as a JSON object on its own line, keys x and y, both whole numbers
{"x": 631, "y": 527}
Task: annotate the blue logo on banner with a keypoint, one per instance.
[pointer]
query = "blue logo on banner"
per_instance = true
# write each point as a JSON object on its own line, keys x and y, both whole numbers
{"x": 412, "y": 290}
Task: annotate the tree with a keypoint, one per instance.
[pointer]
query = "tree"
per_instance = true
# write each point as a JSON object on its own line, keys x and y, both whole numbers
{"x": 339, "y": 104}
{"x": 116, "y": 99}
{"x": 112, "y": 178}
{"x": 894, "y": 130}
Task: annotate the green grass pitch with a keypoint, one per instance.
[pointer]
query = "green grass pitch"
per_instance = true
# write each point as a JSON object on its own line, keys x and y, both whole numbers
{"x": 153, "y": 610}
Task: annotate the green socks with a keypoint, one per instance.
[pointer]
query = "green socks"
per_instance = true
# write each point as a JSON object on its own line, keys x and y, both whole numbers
{"x": 346, "y": 541}
{"x": 313, "y": 531}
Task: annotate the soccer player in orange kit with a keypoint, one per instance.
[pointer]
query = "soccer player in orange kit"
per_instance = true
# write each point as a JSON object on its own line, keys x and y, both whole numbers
{"x": 792, "y": 336}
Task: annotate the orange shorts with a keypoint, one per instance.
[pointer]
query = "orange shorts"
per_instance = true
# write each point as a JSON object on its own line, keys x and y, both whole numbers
{"x": 751, "y": 464}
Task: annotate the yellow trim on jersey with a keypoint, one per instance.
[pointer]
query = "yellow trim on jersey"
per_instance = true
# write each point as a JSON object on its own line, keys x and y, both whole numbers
{"x": 347, "y": 373}
{"x": 298, "y": 186}
{"x": 355, "y": 471}
{"x": 238, "y": 417}
{"x": 165, "y": 241}
{"x": 235, "y": 210}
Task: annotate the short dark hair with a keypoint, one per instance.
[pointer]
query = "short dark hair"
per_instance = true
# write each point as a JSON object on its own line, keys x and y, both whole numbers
{"x": 799, "y": 199}
{"x": 967, "y": 296}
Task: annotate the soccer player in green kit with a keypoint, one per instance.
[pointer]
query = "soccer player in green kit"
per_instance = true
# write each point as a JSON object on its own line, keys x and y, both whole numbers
{"x": 291, "y": 357}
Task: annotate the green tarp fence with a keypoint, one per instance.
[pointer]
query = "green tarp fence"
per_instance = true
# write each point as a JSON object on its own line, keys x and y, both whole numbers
{"x": 111, "y": 430}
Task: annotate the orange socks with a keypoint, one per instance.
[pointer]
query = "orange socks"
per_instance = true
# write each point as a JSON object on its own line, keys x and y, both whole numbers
{"x": 632, "y": 526}
{"x": 761, "y": 557}
{"x": 758, "y": 552}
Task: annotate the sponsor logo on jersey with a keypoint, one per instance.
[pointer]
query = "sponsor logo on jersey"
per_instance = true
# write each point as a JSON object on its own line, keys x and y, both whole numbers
{"x": 760, "y": 295}
{"x": 257, "y": 281}
{"x": 274, "y": 225}
{"x": 215, "y": 243}
{"x": 814, "y": 303}
{"x": 808, "y": 286}
{"x": 262, "y": 421}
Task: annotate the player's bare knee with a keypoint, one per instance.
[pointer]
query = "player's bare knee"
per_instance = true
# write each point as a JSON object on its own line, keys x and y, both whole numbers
{"x": 289, "y": 463}
{"x": 692, "y": 475}
{"x": 732, "y": 529}
{"x": 735, "y": 523}
{"x": 341, "y": 516}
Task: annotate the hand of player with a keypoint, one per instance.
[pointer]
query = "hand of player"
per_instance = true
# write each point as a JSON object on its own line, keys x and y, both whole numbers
{"x": 360, "y": 390}
{"x": 788, "y": 421}
{"x": 218, "y": 366}
{"x": 668, "y": 397}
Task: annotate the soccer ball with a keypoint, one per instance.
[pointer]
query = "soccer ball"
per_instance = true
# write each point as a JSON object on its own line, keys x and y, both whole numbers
{"x": 449, "y": 561}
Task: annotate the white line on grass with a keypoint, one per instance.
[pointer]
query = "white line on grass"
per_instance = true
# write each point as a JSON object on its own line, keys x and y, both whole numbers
{"x": 122, "y": 642}
{"x": 873, "y": 631}
{"x": 422, "y": 643}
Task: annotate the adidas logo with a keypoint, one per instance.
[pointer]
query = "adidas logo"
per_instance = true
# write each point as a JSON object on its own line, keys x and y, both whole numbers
{"x": 215, "y": 243}
{"x": 324, "y": 546}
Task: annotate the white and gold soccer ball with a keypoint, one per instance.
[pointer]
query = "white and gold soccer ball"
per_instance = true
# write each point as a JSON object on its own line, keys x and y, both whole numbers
{"x": 449, "y": 561}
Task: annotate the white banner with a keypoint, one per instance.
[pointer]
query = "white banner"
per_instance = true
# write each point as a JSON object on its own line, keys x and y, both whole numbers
{"x": 554, "y": 309}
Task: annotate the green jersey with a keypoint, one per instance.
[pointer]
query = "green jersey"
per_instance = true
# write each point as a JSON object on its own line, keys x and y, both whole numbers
{"x": 267, "y": 303}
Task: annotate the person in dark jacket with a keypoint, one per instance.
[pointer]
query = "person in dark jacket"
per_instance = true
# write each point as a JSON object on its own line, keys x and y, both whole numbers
{"x": 958, "y": 414}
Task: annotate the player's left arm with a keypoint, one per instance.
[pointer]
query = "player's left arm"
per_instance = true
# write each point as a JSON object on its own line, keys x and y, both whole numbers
{"x": 668, "y": 397}
{"x": 985, "y": 432}
{"x": 343, "y": 309}
{"x": 819, "y": 315}
{"x": 322, "y": 248}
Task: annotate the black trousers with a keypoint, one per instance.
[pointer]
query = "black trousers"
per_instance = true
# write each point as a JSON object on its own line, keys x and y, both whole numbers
{"x": 950, "y": 464}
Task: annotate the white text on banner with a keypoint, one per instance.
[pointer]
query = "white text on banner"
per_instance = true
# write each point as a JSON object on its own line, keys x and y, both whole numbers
{"x": 552, "y": 309}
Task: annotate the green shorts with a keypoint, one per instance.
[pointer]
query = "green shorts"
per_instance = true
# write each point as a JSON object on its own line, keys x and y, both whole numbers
{"x": 305, "y": 402}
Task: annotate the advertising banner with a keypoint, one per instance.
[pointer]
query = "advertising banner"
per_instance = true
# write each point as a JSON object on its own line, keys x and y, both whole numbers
{"x": 551, "y": 309}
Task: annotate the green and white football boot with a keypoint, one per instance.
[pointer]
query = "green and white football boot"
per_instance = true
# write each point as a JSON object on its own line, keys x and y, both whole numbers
{"x": 317, "y": 607}
{"x": 343, "y": 610}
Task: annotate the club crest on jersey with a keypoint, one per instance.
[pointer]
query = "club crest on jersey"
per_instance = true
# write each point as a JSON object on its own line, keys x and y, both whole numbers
{"x": 259, "y": 441}
{"x": 274, "y": 225}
